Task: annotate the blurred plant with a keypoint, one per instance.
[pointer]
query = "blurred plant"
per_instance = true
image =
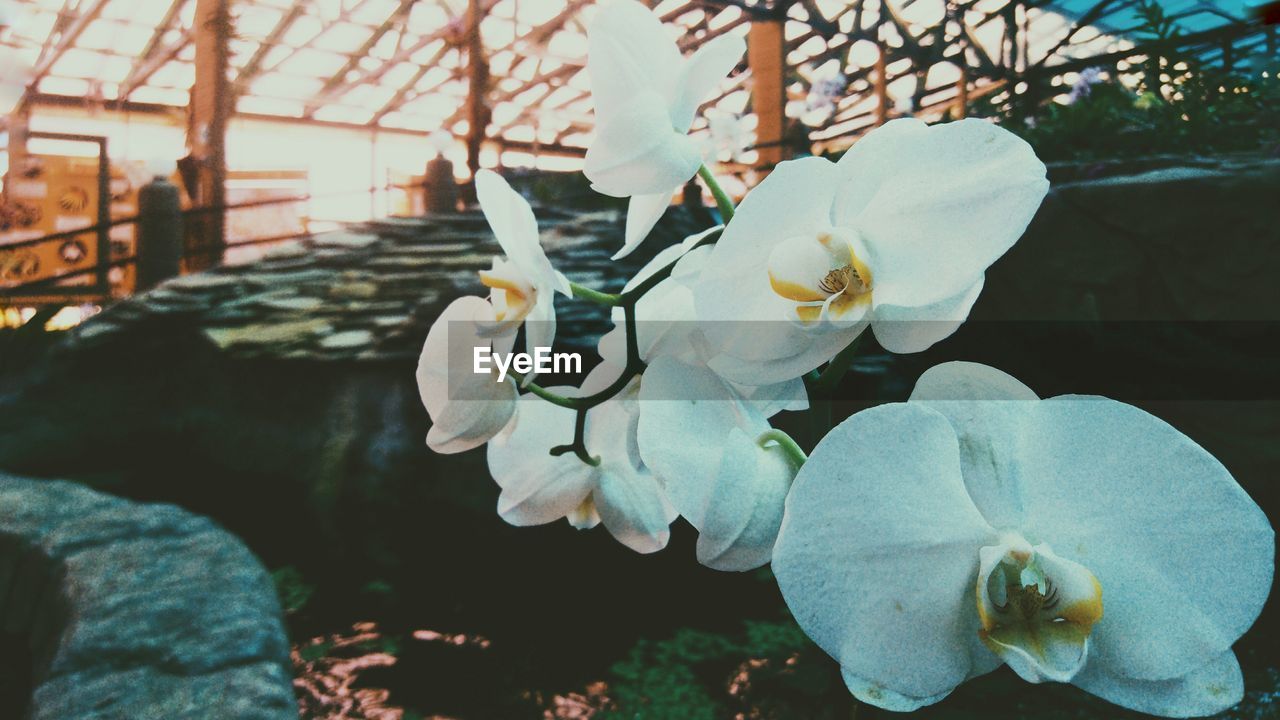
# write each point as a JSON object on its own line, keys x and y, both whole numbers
{"x": 1180, "y": 104}
{"x": 698, "y": 674}
{"x": 294, "y": 591}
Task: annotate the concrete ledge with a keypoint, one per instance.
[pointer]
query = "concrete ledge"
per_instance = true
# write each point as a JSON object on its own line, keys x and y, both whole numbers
{"x": 136, "y": 611}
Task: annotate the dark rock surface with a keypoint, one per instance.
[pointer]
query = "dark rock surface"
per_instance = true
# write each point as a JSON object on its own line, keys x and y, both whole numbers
{"x": 137, "y": 611}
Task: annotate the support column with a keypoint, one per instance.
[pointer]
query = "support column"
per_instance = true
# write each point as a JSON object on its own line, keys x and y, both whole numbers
{"x": 962, "y": 93}
{"x": 478, "y": 112}
{"x": 19, "y": 122}
{"x": 210, "y": 109}
{"x": 766, "y": 57}
{"x": 883, "y": 106}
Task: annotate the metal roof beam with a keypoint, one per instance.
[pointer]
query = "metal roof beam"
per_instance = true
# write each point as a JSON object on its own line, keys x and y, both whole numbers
{"x": 66, "y": 40}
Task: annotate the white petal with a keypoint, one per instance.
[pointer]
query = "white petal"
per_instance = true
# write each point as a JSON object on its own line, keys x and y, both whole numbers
{"x": 681, "y": 254}
{"x": 679, "y": 402}
{"x": 884, "y": 698}
{"x": 811, "y": 351}
{"x": 540, "y": 323}
{"x": 868, "y": 164}
{"x": 643, "y": 212}
{"x": 915, "y": 329}
{"x": 629, "y": 51}
{"x": 742, "y": 518}
{"x": 959, "y": 380}
{"x": 947, "y": 202}
{"x": 701, "y": 75}
{"x": 769, "y": 400}
{"x": 585, "y": 516}
{"x": 878, "y": 550}
{"x": 468, "y": 424}
{"x": 989, "y": 427}
{"x": 636, "y": 151}
{"x": 1184, "y": 556}
{"x": 466, "y": 409}
{"x": 538, "y": 487}
{"x": 634, "y": 509}
{"x": 1208, "y": 690}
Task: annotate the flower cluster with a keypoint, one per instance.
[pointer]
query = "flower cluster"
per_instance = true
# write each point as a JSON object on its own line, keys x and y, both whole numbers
{"x": 921, "y": 543}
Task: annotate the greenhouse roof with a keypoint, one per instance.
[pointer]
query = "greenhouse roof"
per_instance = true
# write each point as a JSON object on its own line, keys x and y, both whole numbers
{"x": 402, "y": 64}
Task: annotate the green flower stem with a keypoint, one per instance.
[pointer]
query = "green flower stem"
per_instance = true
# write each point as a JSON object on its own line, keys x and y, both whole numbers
{"x": 578, "y": 446}
{"x": 595, "y": 296}
{"x": 635, "y": 364}
{"x": 723, "y": 201}
{"x": 794, "y": 454}
{"x": 831, "y": 376}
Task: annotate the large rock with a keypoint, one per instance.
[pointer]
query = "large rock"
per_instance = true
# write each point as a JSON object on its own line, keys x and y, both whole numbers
{"x": 137, "y": 612}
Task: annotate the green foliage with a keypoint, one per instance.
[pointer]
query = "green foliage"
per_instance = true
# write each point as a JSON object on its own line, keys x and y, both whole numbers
{"x": 688, "y": 676}
{"x": 294, "y": 591}
{"x": 315, "y": 651}
{"x": 1179, "y": 105}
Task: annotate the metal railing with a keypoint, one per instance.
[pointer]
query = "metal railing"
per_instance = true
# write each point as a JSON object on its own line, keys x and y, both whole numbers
{"x": 101, "y": 269}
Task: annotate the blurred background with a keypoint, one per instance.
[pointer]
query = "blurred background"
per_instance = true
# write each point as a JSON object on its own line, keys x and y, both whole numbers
{"x": 226, "y": 226}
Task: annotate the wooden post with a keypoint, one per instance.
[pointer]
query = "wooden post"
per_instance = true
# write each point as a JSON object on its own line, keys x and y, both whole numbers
{"x": 962, "y": 93}
{"x": 478, "y": 112}
{"x": 19, "y": 121}
{"x": 210, "y": 110}
{"x": 882, "y": 85}
{"x": 766, "y": 51}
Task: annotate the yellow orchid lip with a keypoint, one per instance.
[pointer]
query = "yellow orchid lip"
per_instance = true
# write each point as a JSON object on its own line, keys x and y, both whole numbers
{"x": 1036, "y": 610}
{"x": 512, "y": 297}
{"x": 822, "y": 273}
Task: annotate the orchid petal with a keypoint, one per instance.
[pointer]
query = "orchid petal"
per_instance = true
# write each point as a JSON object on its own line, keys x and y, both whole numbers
{"x": 1208, "y": 690}
{"x": 884, "y": 698}
{"x": 745, "y": 508}
{"x": 540, "y": 324}
{"x": 637, "y": 152}
{"x": 915, "y": 329}
{"x": 467, "y": 409}
{"x": 1184, "y": 555}
{"x": 679, "y": 402}
{"x": 878, "y": 551}
{"x": 951, "y": 198}
{"x": 634, "y": 510}
{"x": 537, "y": 487}
{"x": 701, "y": 74}
{"x": 1139, "y": 504}
{"x": 643, "y": 212}
{"x": 629, "y": 51}
{"x": 959, "y": 381}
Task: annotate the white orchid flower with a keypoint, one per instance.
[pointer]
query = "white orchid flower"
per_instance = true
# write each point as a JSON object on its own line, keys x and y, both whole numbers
{"x": 646, "y": 96}
{"x": 523, "y": 284}
{"x": 897, "y": 235}
{"x": 467, "y": 409}
{"x": 620, "y": 492}
{"x": 928, "y": 542}
{"x": 667, "y": 327}
{"x": 704, "y": 440}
